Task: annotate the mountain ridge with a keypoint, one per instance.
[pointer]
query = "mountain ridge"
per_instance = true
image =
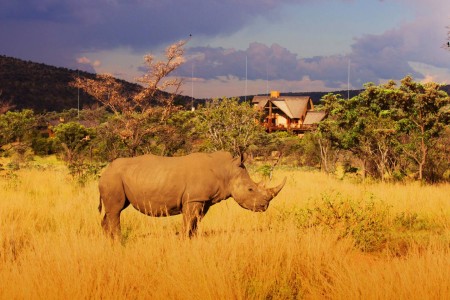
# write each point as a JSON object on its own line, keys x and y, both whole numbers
{"x": 42, "y": 87}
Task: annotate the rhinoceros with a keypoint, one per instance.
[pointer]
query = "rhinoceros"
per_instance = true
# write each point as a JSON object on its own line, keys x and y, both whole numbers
{"x": 165, "y": 186}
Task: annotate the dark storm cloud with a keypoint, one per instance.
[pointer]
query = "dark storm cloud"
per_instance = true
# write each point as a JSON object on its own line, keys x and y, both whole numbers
{"x": 59, "y": 31}
{"x": 54, "y": 31}
{"x": 372, "y": 58}
{"x": 382, "y": 56}
{"x": 262, "y": 62}
{"x": 259, "y": 61}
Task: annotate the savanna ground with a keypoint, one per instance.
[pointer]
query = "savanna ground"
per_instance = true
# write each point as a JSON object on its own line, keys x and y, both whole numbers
{"x": 321, "y": 238}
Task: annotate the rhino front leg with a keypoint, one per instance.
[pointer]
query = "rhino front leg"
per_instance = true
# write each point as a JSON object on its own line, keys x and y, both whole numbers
{"x": 192, "y": 213}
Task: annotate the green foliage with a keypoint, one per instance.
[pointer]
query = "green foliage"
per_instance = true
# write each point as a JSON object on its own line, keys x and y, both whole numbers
{"x": 109, "y": 145}
{"x": 141, "y": 133}
{"x": 390, "y": 129}
{"x": 84, "y": 171}
{"x": 279, "y": 141}
{"x": 16, "y": 126}
{"x": 16, "y": 130}
{"x": 182, "y": 137}
{"x": 75, "y": 143}
{"x": 11, "y": 177}
{"x": 74, "y": 139}
{"x": 366, "y": 221}
{"x": 407, "y": 221}
{"x": 310, "y": 150}
{"x": 265, "y": 171}
{"x": 43, "y": 146}
{"x": 229, "y": 125}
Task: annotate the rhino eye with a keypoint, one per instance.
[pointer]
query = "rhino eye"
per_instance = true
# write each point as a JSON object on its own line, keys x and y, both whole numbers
{"x": 250, "y": 189}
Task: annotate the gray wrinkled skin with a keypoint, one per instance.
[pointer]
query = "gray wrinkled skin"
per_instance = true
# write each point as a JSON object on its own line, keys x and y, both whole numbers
{"x": 166, "y": 186}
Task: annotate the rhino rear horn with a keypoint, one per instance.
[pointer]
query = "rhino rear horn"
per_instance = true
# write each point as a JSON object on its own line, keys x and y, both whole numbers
{"x": 274, "y": 191}
{"x": 262, "y": 183}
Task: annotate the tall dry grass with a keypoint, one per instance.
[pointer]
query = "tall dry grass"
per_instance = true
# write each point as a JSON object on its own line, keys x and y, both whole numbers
{"x": 52, "y": 246}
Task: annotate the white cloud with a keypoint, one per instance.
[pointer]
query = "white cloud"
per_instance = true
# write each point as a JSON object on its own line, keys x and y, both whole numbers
{"x": 86, "y": 61}
{"x": 431, "y": 73}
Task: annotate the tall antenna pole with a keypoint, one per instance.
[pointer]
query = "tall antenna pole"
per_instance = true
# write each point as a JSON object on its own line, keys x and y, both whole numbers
{"x": 246, "y": 78}
{"x": 348, "y": 80}
{"x": 192, "y": 86}
{"x": 78, "y": 94}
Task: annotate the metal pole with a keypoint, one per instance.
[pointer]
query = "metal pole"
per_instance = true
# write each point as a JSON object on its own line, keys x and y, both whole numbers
{"x": 348, "y": 80}
{"x": 246, "y": 78}
{"x": 78, "y": 95}
{"x": 192, "y": 86}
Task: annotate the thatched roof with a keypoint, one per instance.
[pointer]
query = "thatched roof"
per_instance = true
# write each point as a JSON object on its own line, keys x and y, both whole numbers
{"x": 313, "y": 117}
{"x": 293, "y": 106}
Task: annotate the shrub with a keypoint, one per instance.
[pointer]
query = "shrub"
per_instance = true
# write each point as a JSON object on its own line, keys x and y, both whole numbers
{"x": 364, "y": 220}
{"x": 83, "y": 171}
{"x": 43, "y": 146}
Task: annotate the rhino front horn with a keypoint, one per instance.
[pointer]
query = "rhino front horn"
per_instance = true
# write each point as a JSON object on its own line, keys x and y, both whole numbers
{"x": 274, "y": 191}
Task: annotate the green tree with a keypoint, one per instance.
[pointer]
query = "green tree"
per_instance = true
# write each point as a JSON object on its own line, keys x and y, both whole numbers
{"x": 180, "y": 135}
{"x": 74, "y": 139}
{"x": 145, "y": 133}
{"x": 333, "y": 133}
{"x": 281, "y": 142}
{"x": 315, "y": 151}
{"x": 76, "y": 145}
{"x": 229, "y": 125}
{"x": 375, "y": 128}
{"x": 16, "y": 126}
{"x": 422, "y": 116}
{"x": 16, "y": 131}
{"x": 385, "y": 123}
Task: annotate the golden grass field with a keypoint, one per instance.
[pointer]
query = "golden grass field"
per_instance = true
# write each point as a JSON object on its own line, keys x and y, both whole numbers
{"x": 321, "y": 238}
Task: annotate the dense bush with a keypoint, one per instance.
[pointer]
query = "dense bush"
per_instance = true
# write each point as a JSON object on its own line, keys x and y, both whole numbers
{"x": 43, "y": 145}
{"x": 363, "y": 220}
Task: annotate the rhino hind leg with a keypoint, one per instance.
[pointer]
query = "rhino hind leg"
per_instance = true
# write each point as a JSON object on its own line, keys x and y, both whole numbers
{"x": 111, "y": 224}
{"x": 111, "y": 220}
{"x": 192, "y": 213}
{"x": 114, "y": 202}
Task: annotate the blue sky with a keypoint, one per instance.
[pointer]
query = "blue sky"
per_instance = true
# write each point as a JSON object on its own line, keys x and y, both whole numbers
{"x": 318, "y": 28}
{"x": 289, "y": 45}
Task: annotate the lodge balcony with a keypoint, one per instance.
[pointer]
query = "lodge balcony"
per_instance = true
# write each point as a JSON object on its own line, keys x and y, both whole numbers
{"x": 296, "y": 128}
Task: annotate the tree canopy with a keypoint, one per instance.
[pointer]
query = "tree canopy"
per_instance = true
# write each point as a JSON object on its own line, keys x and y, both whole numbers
{"x": 390, "y": 128}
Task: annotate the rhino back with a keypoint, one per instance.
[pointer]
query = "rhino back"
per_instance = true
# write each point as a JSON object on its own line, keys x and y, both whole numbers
{"x": 168, "y": 181}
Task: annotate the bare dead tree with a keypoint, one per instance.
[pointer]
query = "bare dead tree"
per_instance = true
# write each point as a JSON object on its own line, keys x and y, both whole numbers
{"x": 132, "y": 108}
{"x": 158, "y": 86}
{"x": 5, "y": 105}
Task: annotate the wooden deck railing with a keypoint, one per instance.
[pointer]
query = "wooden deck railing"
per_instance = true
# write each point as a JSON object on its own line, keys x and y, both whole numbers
{"x": 292, "y": 127}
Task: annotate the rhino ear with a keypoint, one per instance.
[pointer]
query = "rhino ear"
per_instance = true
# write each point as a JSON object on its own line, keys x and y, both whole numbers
{"x": 244, "y": 157}
{"x": 240, "y": 160}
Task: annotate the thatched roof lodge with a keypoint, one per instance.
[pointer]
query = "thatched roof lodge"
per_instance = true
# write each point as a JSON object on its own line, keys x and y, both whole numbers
{"x": 288, "y": 113}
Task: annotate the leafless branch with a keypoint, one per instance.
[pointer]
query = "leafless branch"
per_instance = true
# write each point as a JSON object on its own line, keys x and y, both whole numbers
{"x": 5, "y": 105}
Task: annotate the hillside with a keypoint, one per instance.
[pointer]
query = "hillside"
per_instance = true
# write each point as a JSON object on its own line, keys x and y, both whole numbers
{"x": 42, "y": 87}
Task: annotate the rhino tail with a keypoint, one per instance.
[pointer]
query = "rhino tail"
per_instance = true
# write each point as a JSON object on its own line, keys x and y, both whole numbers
{"x": 100, "y": 205}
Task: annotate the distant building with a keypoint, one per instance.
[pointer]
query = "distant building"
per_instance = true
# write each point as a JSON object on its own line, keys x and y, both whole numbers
{"x": 289, "y": 113}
